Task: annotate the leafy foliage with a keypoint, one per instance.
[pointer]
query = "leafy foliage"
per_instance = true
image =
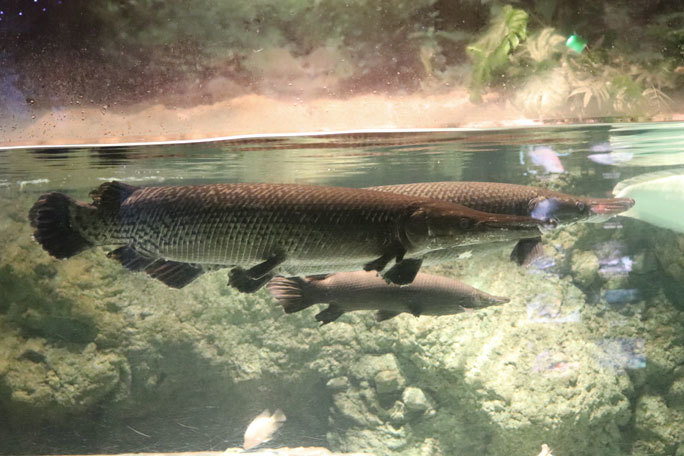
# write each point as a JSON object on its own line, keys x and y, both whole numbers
{"x": 507, "y": 29}
{"x": 632, "y": 66}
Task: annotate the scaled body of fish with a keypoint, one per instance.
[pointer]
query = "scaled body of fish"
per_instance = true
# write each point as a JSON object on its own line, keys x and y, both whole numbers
{"x": 176, "y": 233}
{"x": 364, "y": 290}
{"x": 512, "y": 199}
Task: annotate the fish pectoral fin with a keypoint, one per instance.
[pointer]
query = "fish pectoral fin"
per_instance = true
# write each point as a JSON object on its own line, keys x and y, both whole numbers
{"x": 382, "y": 315}
{"x": 404, "y": 271}
{"x": 328, "y": 315}
{"x": 527, "y": 250}
{"x": 415, "y": 310}
{"x": 130, "y": 258}
{"x": 241, "y": 280}
{"x": 380, "y": 263}
{"x": 173, "y": 273}
{"x": 262, "y": 269}
{"x": 110, "y": 195}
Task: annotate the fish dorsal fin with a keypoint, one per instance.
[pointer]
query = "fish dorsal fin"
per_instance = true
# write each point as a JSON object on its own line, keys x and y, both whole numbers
{"x": 110, "y": 195}
{"x": 278, "y": 416}
{"x": 647, "y": 177}
{"x": 382, "y": 315}
{"x": 265, "y": 414}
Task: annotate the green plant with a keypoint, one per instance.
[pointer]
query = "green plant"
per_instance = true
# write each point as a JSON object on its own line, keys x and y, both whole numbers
{"x": 507, "y": 29}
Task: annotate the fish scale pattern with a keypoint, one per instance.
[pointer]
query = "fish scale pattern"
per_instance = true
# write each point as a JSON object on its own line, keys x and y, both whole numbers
{"x": 247, "y": 223}
{"x": 483, "y": 196}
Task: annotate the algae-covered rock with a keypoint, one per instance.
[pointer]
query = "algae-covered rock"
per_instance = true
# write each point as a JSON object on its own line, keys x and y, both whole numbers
{"x": 585, "y": 266}
{"x": 661, "y": 428}
{"x": 387, "y": 381}
{"x": 416, "y": 400}
{"x": 669, "y": 250}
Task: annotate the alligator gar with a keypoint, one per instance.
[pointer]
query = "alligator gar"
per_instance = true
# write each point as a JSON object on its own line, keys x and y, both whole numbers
{"x": 175, "y": 233}
{"x": 364, "y": 290}
{"x": 522, "y": 200}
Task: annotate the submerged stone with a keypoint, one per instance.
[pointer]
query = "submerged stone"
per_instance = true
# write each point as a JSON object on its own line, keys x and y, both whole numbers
{"x": 388, "y": 381}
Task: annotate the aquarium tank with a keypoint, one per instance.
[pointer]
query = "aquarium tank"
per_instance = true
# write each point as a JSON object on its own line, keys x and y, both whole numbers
{"x": 342, "y": 227}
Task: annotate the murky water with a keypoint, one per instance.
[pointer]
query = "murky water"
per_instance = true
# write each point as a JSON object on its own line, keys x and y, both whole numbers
{"x": 586, "y": 357}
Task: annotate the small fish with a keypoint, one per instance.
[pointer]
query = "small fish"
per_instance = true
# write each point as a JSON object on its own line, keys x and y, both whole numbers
{"x": 611, "y": 158}
{"x": 363, "y": 290}
{"x": 659, "y": 196}
{"x": 546, "y": 158}
{"x": 262, "y": 428}
{"x": 175, "y": 234}
{"x": 512, "y": 199}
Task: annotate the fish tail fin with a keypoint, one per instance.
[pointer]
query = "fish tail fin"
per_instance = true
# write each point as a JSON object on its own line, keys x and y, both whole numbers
{"x": 52, "y": 218}
{"x": 293, "y": 293}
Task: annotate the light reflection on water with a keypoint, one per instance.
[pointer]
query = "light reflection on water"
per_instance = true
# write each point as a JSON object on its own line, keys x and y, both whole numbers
{"x": 359, "y": 160}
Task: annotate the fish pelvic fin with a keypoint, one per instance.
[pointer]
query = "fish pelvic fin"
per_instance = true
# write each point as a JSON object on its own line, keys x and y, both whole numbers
{"x": 329, "y": 315}
{"x": 403, "y": 272}
{"x": 52, "y": 218}
{"x": 382, "y": 315}
{"x": 293, "y": 293}
{"x": 110, "y": 195}
{"x": 527, "y": 250}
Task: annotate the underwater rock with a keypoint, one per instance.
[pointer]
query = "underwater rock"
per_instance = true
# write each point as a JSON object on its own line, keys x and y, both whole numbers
{"x": 387, "y": 382}
{"x": 369, "y": 366}
{"x": 585, "y": 267}
{"x": 338, "y": 383}
{"x": 658, "y": 429}
{"x": 416, "y": 400}
{"x": 669, "y": 250}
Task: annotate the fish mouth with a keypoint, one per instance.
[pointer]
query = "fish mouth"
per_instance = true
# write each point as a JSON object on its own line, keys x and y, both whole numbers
{"x": 487, "y": 301}
{"x": 610, "y": 206}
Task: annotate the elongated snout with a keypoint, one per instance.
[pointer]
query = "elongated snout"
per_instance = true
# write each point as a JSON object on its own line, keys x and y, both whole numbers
{"x": 610, "y": 206}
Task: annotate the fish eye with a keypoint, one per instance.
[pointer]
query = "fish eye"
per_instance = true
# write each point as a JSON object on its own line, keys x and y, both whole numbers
{"x": 580, "y": 206}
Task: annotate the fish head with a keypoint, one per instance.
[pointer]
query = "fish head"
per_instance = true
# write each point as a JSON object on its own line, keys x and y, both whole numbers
{"x": 448, "y": 225}
{"x": 567, "y": 210}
